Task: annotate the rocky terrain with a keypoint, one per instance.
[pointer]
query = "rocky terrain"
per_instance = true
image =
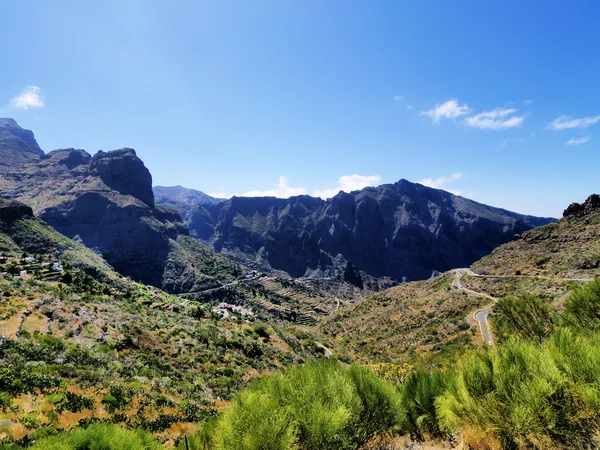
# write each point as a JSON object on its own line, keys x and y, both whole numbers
{"x": 17, "y": 146}
{"x": 197, "y": 209}
{"x": 403, "y": 231}
{"x": 569, "y": 248}
{"x": 106, "y": 202}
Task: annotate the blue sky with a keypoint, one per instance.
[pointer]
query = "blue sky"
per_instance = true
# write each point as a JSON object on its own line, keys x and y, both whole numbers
{"x": 496, "y": 100}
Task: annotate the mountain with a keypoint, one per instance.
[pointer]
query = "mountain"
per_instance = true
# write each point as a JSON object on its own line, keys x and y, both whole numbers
{"x": 105, "y": 201}
{"x": 192, "y": 205}
{"x": 180, "y": 196}
{"x": 404, "y": 231}
{"x": 426, "y": 319}
{"x": 17, "y": 146}
{"x": 88, "y": 344}
{"x": 21, "y": 231}
{"x": 569, "y": 248}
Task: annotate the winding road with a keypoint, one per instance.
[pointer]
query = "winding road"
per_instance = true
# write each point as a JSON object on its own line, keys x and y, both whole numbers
{"x": 481, "y": 316}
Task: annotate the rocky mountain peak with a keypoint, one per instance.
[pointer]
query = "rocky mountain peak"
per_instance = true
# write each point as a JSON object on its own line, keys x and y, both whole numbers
{"x": 17, "y": 145}
{"x": 124, "y": 172}
{"x": 579, "y": 210}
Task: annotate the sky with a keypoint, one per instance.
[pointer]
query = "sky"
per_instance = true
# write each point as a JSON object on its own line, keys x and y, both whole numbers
{"x": 497, "y": 101}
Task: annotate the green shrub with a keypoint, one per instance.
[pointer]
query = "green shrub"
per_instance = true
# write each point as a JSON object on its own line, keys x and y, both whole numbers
{"x": 418, "y": 394}
{"x": 5, "y": 401}
{"x": 527, "y": 317}
{"x": 99, "y": 437}
{"x": 322, "y": 405}
{"x": 582, "y": 308}
{"x": 381, "y": 406}
{"x": 528, "y": 395}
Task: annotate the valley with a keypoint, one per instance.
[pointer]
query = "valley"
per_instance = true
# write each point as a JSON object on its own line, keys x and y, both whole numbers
{"x": 196, "y": 321}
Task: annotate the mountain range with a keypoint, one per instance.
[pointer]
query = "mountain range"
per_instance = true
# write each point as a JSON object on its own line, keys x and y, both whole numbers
{"x": 404, "y": 231}
{"x": 401, "y": 231}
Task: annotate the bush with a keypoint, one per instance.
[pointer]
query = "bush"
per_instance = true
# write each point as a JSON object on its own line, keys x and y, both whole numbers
{"x": 582, "y": 308}
{"x": 527, "y": 317}
{"x": 527, "y": 395}
{"x": 99, "y": 437}
{"x": 322, "y": 405}
{"x": 418, "y": 394}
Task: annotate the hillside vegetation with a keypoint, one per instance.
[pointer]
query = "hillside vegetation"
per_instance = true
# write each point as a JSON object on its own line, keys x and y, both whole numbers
{"x": 523, "y": 394}
{"x": 80, "y": 344}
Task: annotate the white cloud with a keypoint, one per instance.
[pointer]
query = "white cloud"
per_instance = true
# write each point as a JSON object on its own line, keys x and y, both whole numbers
{"x": 528, "y": 102}
{"x": 282, "y": 190}
{"x": 346, "y": 183}
{"x": 397, "y": 97}
{"x": 441, "y": 182}
{"x": 498, "y": 119}
{"x": 447, "y": 110}
{"x": 218, "y": 195}
{"x": 409, "y": 107}
{"x": 579, "y": 141}
{"x": 31, "y": 97}
{"x": 349, "y": 183}
{"x": 566, "y": 122}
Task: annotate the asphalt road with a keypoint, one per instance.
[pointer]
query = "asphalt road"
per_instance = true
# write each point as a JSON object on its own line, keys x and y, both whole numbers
{"x": 481, "y": 316}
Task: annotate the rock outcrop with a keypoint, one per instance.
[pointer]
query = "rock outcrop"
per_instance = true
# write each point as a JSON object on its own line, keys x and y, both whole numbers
{"x": 579, "y": 210}
{"x": 17, "y": 146}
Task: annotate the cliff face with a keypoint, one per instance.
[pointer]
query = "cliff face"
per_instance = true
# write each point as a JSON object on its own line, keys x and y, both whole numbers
{"x": 106, "y": 202}
{"x": 402, "y": 230}
{"x": 17, "y": 146}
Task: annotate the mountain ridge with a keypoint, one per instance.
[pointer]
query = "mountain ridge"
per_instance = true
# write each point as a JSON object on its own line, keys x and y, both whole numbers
{"x": 372, "y": 228}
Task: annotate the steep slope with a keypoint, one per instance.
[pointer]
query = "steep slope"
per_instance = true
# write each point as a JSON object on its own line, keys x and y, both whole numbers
{"x": 569, "y": 248}
{"x": 403, "y": 230}
{"x": 106, "y": 202}
{"x": 21, "y": 232}
{"x": 17, "y": 146}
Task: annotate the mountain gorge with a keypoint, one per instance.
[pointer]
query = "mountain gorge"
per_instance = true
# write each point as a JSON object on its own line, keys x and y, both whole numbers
{"x": 403, "y": 231}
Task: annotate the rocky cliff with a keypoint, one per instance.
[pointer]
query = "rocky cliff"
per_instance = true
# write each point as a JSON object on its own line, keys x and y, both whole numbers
{"x": 106, "y": 202}
{"x": 17, "y": 146}
{"x": 403, "y": 230}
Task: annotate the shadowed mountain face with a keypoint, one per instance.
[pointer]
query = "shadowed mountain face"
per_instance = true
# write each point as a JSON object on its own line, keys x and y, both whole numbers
{"x": 17, "y": 146}
{"x": 186, "y": 202}
{"x": 402, "y": 230}
{"x": 106, "y": 202}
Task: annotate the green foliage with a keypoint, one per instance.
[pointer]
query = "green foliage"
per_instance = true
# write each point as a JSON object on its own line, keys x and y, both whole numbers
{"x": 582, "y": 308}
{"x": 381, "y": 405}
{"x": 99, "y": 437}
{"x": 118, "y": 398}
{"x": 323, "y": 405}
{"x": 5, "y": 401}
{"x": 528, "y": 395}
{"x": 527, "y": 317}
{"x": 71, "y": 402}
{"x": 418, "y": 394}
